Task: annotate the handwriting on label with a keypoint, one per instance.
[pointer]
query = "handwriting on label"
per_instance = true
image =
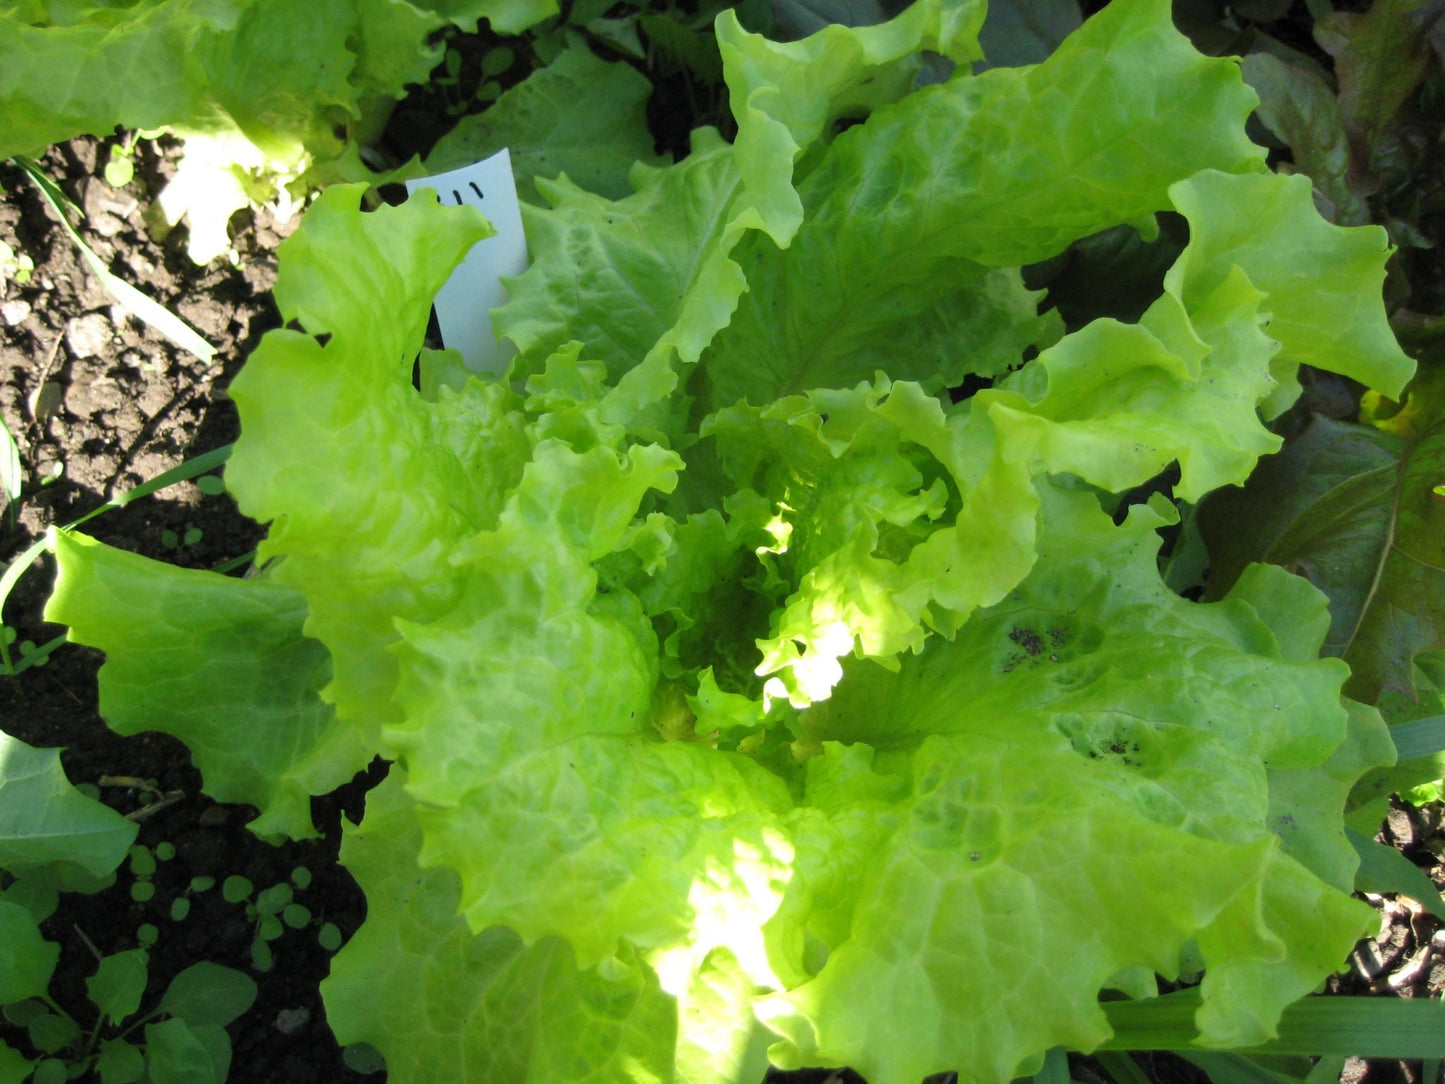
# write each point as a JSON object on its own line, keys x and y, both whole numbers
{"x": 465, "y": 303}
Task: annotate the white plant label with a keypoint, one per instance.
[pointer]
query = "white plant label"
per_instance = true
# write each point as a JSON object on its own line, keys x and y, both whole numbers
{"x": 464, "y": 305}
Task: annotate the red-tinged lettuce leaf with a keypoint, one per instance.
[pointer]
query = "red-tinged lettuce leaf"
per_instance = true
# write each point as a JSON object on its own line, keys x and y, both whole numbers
{"x": 220, "y": 663}
{"x": 1322, "y": 508}
{"x": 1380, "y": 58}
{"x": 1419, "y": 778}
{"x": 1358, "y": 512}
{"x": 1026, "y": 31}
{"x": 1301, "y": 109}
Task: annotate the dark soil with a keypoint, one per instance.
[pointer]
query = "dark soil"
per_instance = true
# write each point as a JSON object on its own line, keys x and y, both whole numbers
{"x": 98, "y": 404}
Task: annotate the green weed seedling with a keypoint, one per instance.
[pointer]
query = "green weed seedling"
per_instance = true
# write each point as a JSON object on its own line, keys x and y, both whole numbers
{"x": 17, "y": 267}
{"x": 54, "y": 839}
{"x": 274, "y": 910}
{"x": 182, "y": 1037}
{"x": 120, "y": 166}
{"x": 28, "y": 653}
{"x": 171, "y": 540}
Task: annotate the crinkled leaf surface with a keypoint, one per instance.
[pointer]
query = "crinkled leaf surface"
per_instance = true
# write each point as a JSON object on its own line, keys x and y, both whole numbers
{"x": 905, "y": 213}
{"x": 785, "y": 96}
{"x": 1047, "y": 754}
{"x": 1330, "y": 317}
{"x": 313, "y": 414}
{"x": 481, "y": 1006}
{"x": 279, "y": 73}
{"x": 623, "y": 276}
{"x": 738, "y": 671}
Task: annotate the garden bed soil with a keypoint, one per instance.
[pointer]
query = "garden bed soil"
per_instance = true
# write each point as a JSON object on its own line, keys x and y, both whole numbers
{"x": 98, "y": 404}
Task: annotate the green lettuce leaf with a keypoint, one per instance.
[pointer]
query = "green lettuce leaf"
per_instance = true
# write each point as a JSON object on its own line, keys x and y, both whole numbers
{"x": 905, "y": 213}
{"x": 312, "y": 413}
{"x": 579, "y": 115}
{"x": 484, "y": 1006}
{"x": 627, "y": 278}
{"x": 1331, "y": 318}
{"x": 786, "y": 96}
{"x": 1056, "y": 770}
{"x": 743, "y": 679}
{"x": 281, "y": 74}
{"x": 263, "y": 91}
{"x": 220, "y": 663}
{"x": 47, "y": 827}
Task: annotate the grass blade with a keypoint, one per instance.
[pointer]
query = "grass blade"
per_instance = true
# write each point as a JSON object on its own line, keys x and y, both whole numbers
{"x": 1384, "y": 869}
{"x": 1056, "y": 1067}
{"x": 11, "y": 476}
{"x": 1364, "y": 1027}
{"x": 1235, "y": 1069}
{"x": 1123, "y": 1068}
{"x": 191, "y": 468}
{"x": 1419, "y": 737}
{"x": 138, "y": 304}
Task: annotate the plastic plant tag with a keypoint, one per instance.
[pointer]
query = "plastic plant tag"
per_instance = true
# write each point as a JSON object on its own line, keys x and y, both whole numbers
{"x": 464, "y": 304}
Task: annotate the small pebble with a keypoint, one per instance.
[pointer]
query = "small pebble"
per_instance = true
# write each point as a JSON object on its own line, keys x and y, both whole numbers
{"x": 88, "y": 335}
{"x": 292, "y": 1021}
{"x": 16, "y": 311}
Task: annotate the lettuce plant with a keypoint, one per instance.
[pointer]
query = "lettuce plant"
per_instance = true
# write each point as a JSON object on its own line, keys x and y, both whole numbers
{"x": 261, "y": 90}
{"x": 773, "y": 663}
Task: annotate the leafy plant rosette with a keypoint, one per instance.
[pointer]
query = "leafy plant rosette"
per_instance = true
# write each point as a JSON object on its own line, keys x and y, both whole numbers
{"x": 750, "y": 695}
